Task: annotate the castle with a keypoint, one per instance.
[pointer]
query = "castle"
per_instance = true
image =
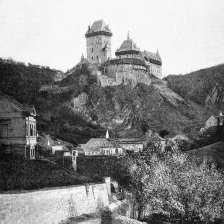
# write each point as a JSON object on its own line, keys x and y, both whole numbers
{"x": 130, "y": 65}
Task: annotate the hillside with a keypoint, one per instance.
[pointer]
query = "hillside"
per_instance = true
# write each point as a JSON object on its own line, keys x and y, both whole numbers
{"x": 197, "y": 85}
{"x": 127, "y": 111}
{"x": 76, "y": 108}
{"x": 23, "y": 81}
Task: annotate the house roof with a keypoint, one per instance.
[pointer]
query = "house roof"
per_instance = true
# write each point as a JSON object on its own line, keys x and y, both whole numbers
{"x": 30, "y": 108}
{"x": 132, "y": 61}
{"x": 127, "y": 46}
{"x": 25, "y": 108}
{"x": 129, "y": 140}
{"x": 98, "y": 27}
{"x": 94, "y": 144}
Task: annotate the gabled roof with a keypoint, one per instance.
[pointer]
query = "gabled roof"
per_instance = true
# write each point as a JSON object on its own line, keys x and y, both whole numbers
{"x": 126, "y": 47}
{"x": 25, "y": 108}
{"x": 114, "y": 143}
{"x": 98, "y": 27}
{"x": 94, "y": 144}
{"x": 30, "y": 108}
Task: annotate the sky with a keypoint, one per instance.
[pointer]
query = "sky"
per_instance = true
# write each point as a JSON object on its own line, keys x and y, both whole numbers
{"x": 188, "y": 34}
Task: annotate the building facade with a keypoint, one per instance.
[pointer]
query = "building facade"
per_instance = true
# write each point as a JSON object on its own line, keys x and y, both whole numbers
{"x": 100, "y": 146}
{"x": 98, "y": 42}
{"x": 154, "y": 62}
{"x": 131, "y": 145}
{"x": 17, "y": 128}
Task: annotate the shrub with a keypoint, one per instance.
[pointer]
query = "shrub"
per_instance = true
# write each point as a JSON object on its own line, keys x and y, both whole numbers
{"x": 175, "y": 186}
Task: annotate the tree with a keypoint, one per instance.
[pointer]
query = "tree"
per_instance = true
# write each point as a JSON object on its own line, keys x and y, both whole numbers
{"x": 176, "y": 186}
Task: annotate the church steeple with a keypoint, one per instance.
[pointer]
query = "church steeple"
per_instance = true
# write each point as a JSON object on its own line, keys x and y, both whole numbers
{"x": 128, "y": 37}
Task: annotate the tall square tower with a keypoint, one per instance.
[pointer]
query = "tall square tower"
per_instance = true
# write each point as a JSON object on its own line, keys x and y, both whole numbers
{"x": 98, "y": 42}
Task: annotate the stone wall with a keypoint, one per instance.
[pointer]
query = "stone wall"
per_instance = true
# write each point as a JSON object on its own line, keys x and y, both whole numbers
{"x": 54, "y": 204}
{"x": 125, "y": 74}
{"x": 118, "y": 213}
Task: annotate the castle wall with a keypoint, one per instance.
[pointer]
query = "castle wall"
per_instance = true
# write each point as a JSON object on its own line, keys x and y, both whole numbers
{"x": 125, "y": 74}
{"x": 95, "y": 45}
{"x": 155, "y": 69}
{"x": 52, "y": 205}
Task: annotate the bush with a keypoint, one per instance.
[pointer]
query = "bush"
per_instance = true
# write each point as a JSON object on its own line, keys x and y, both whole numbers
{"x": 175, "y": 186}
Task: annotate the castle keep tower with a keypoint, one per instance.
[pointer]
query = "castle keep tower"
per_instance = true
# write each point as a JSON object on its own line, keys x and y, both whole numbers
{"x": 98, "y": 42}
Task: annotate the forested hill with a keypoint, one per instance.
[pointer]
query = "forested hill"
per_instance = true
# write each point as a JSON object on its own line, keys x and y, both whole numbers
{"x": 23, "y": 81}
{"x": 197, "y": 85}
{"x": 77, "y": 107}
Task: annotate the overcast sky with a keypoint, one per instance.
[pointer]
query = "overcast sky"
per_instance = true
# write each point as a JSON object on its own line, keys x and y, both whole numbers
{"x": 188, "y": 34}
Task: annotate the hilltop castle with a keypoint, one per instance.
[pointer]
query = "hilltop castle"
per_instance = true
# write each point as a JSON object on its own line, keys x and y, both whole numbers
{"x": 130, "y": 64}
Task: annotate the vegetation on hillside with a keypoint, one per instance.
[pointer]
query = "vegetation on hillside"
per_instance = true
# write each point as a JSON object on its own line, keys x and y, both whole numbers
{"x": 197, "y": 85}
{"x": 123, "y": 109}
{"x": 23, "y": 81}
{"x": 16, "y": 174}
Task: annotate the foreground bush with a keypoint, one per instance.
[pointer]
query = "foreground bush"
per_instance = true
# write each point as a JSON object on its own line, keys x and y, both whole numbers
{"x": 174, "y": 185}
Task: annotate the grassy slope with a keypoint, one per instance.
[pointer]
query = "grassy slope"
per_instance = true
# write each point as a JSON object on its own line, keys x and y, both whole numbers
{"x": 26, "y": 175}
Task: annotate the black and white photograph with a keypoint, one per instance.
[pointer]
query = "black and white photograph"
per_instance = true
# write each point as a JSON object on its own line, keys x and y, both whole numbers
{"x": 111, "y": 112}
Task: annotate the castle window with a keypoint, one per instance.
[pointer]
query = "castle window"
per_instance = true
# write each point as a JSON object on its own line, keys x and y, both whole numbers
{"x": 97, "y": 57}
{"x": 92, "y": 49}
{"x": 92, "y": 58}
{"x": 4, "y": 130}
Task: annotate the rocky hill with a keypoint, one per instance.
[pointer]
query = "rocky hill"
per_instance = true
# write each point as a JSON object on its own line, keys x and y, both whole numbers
{"x": 128, "y": 110}
{"x": 215, "y": 98}
{"x": 75, "y": 107}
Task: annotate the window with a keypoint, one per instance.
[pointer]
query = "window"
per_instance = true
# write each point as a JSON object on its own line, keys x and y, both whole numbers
{"x": 4, "y": 129}
{"x": 32, "y": 130}
{"x": 27, "y": 130}
{"x": 92, "y": 49}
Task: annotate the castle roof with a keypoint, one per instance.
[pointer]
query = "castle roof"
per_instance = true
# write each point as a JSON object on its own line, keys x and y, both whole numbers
{"x": 152, "y": 57}
{"x": 127, "y": 47}
{"x": 133, "y": 61}
{"x": 98, "y": 27}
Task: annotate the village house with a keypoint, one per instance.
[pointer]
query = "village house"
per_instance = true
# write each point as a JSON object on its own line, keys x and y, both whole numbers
{"x": 99, "y": 146}
{"x": 131, "y": 144}
{"x": 18, "y": 134}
